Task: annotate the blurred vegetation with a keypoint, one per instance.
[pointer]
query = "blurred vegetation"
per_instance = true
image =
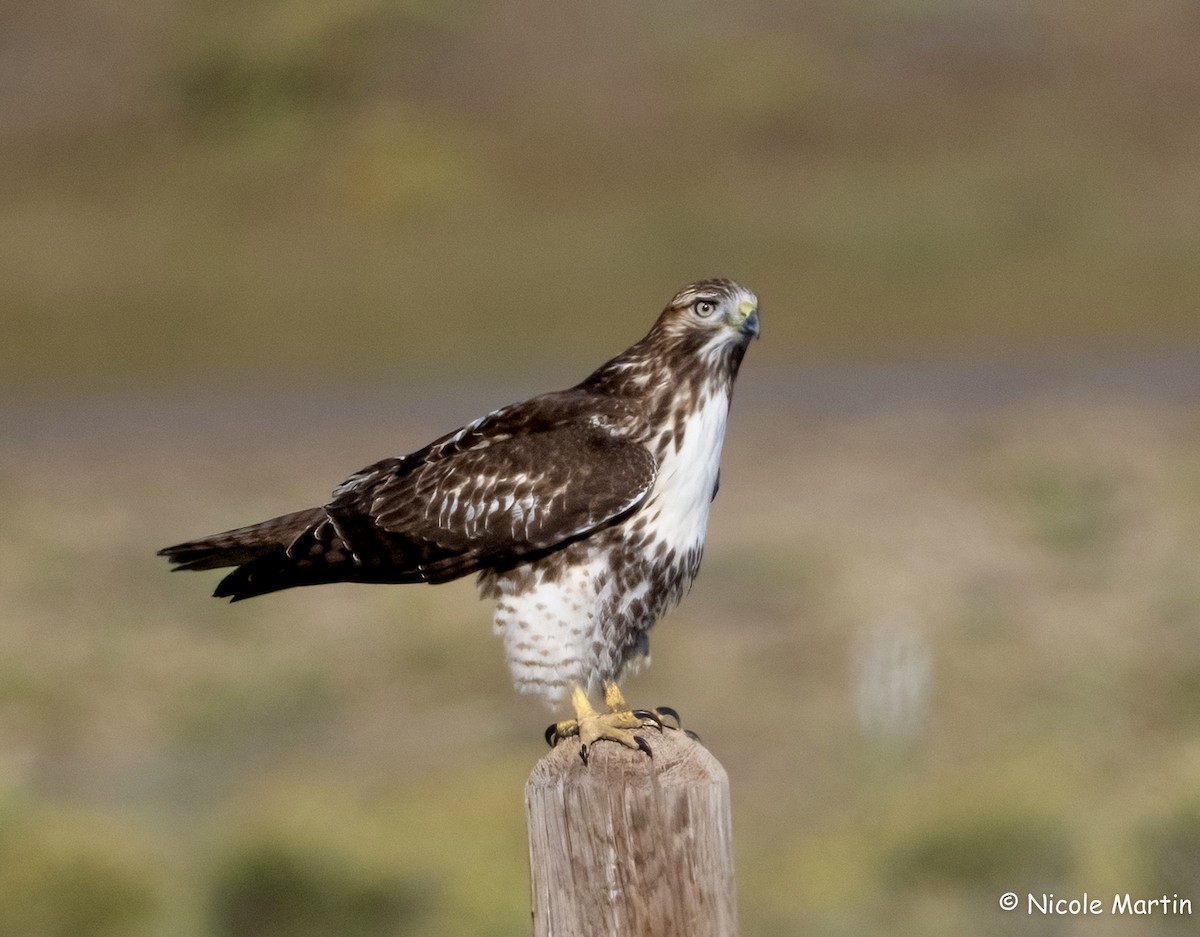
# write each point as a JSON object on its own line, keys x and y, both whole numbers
{"x": 69, "y": 872}
{"x": 272, "y": 888}
{"x": 986, "y": 853}
{"x": 216, "y": 195}
{"x": 385, "y": 185}
{"x": 1170, "y": 849}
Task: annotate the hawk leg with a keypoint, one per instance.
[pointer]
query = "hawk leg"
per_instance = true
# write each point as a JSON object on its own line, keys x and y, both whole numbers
{"x": 616, "y": 725}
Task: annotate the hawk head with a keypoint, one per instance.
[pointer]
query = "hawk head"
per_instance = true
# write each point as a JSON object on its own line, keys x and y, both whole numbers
{"x": 700, "y": 337}
{"x": 719, "y": 310}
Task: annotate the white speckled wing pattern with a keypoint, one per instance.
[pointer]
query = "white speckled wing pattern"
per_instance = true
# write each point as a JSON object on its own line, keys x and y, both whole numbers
{"x": 498, "y": 501}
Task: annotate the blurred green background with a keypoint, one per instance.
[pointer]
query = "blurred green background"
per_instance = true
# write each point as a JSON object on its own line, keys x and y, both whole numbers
{"x": 947, "y": 636}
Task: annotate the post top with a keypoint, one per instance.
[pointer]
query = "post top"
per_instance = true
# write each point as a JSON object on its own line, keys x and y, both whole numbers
{"x": 678, "y": 759}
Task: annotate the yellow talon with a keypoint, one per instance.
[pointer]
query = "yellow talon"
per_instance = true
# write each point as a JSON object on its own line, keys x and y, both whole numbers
{"x": 616, "y": 725}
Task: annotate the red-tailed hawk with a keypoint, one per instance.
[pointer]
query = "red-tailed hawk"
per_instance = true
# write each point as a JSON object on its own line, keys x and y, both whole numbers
{"x": 583, "y": 511}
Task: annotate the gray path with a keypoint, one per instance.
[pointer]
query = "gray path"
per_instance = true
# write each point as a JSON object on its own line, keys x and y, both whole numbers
{"x": 809, "y": 389}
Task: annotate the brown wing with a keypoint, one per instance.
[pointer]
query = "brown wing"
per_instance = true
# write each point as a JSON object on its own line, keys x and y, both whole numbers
{"x": 503, "y": 499}
{"x": 514, "y": 484}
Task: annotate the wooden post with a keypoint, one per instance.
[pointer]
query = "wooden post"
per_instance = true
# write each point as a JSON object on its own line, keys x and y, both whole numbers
{"x": 629, "y": 845}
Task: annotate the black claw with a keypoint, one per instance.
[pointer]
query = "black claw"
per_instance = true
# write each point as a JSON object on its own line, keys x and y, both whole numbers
{"x": 668, "y": 711}
{"x": 583, "y": 753}
{"x": 641, "y": 743}
{"x": 552, "y": 734}
{"x": 651, "y": 715}
{"x": 692, "y": 735}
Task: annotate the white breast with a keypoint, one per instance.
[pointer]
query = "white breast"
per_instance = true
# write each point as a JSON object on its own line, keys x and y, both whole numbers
{"x": 677, "y": 508}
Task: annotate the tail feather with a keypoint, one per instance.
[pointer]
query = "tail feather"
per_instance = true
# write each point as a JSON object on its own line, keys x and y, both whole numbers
{"x": 309, "y": 548}
{"x": 243, "y": 544}
{"x": 269, "y": 573}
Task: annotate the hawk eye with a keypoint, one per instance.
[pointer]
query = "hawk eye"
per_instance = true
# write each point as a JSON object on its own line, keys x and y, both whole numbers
{"x": 705, "y": 307}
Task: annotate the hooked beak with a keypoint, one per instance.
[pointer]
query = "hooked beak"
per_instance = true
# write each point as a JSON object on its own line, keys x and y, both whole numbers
{"x": 750, "y": 324}
{"x": 746, "y": 318}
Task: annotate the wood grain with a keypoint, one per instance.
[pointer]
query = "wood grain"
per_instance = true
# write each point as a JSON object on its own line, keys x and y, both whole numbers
{"x": 629, "y": 845}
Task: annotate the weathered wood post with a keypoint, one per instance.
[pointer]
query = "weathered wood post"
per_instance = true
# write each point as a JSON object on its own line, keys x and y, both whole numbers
{"x": 629, "y": 846}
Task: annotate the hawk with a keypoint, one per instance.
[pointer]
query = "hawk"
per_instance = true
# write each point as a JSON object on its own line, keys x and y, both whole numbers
{"x": 582, "y": 511}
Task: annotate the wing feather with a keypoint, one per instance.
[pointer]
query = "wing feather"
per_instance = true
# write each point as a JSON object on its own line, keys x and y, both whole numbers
{"x": 515, "y": 484}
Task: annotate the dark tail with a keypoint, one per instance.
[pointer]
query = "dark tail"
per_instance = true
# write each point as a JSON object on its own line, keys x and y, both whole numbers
{"x": 260, "y": 552}
{"x": 235, "y": 547}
